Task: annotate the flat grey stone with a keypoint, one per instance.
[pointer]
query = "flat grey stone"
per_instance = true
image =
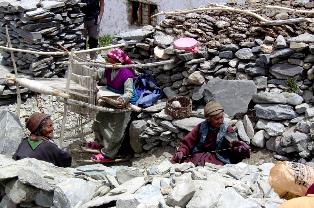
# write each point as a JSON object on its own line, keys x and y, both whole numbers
{"x": 244, "y": 54}
{"x": 275, "y": 112}
{"x": 284, "y": 71}
{"x": 268, "y": 97}
{"x": 187, "y": 123}
{"x": 305, "y": 38}
{"x": 11, "y": 133}
{"x": 138, "y": 34}
{"x": 224, "y": 91}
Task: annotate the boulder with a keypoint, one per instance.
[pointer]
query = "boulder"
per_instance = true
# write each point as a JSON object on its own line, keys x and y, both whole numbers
{"x": 234, "y": 95}
{"x": 11, "y": 133}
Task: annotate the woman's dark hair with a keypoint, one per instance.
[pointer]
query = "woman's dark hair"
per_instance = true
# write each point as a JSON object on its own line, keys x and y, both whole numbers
{"x": 40, "y": 128}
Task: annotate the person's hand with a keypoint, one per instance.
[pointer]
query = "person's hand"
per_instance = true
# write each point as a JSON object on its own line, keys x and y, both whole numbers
{"x": 241, "y": 148}
{"x": 120, "y": 102}
{"x": 177, "y": 157}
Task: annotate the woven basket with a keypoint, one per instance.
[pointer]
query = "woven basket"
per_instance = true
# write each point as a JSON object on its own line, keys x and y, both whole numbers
{"x": 179, "y": 112}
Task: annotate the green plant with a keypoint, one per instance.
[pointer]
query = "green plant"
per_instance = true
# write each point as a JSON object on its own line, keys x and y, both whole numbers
{"x": 292, "y": 85}
{"x": 105, "y": 40}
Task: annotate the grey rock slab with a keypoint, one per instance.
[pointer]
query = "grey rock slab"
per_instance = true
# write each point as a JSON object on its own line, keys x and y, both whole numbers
{"x": 125, "y": 174}
{"x": 11, "y": 133}
{"x": 136, "y": 127}
{"x": 162, "y": 115}
{"x": 138, "y": 34}
{"x": 6, "y": 202}
{"x": 44, "y": 199}
{"x": 293, "y": 98}
{"x": 282, "y": 53}
{"x": 285, "y": 71}
{"x": 274, "y": 112}
{"x": 274, "y": 128}
{"x": 155, "y": 108}
{"x": 149, "y": 195}
{"x": 255, "y": 71}
{"x": 304, "y": 38}
{"x": 73, "y": 192}
{"x": 52, "y": 4}
{"x": 168, "y": 125}
{"x": 249, "y": 129}
{"x": 188, "y": 123}
{"x": 244, "y": 54}
{"x": 259, "y": 139}
{"x": 164, "y": 167}
{"x": 234, "y": 95}
{"x": 169, "y": 92}
{"x": 269, "y": 97}
{"x": 309, "y": 112}
{"x": 303, "y": 126}
{"x": 19, "y": 192}
{"x": 33, "y": 178}
{"x": 280, "y": 42}
{"x": 129, "y": 186}
{"x": 231, "y": 199}
{"x": 242, "y": 133}
{"x": 206, "y": 195}
{"x": 260, "y": 82}
{"x": 162, "y": 39}
{"x": 182, "y": 192}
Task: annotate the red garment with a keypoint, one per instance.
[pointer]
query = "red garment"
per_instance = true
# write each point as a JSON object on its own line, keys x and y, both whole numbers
{"x": 199, "y": 159}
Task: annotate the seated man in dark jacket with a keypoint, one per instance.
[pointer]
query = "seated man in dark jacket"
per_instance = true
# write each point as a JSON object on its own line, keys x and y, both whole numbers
{"x": 39, "y": 144}
{"x": 207, "y": 141}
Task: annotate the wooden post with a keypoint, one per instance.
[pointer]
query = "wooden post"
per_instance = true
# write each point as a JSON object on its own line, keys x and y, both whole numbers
{"x": 65, "y": 107}
{"x": 18, "y": 100}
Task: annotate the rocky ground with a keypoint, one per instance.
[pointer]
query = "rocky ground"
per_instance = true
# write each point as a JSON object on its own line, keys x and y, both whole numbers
{"x": 52, "y": 106}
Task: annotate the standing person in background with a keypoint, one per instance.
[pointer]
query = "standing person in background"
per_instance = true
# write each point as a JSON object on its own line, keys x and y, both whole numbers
{"x": 93, "y": 10}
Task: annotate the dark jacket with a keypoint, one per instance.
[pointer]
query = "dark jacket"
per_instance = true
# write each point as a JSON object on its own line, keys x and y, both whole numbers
{"x": 46, "y": 151}
{"x": 203, "y": 145}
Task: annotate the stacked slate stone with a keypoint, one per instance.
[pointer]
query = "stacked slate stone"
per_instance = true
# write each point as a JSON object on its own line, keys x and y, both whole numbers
{"x": 33, "y": 183}
{"x": 41, "y": 26}
{"x": 265, "y": 72}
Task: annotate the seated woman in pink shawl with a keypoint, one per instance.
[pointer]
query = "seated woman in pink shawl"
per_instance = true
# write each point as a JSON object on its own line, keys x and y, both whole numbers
{"x": 208, "y": 143}
{"x": 110, "y": 127}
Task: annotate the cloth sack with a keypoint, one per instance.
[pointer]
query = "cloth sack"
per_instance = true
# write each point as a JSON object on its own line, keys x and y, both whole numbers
{"x": 290, "y": 178}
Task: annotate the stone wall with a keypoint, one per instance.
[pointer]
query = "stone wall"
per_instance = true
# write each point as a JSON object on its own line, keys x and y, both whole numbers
{"x": 41, "y": 26}
{"x": 265, "y": 72}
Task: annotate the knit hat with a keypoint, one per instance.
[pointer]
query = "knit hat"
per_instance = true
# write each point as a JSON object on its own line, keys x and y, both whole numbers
{"x": 212, "y": 108}
{"x": 34, "y": 121}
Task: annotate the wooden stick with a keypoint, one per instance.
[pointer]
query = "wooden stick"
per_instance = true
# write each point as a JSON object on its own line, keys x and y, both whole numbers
{"x": 36, "y": 86}
{"x": 19, "y": 100}
{"x": 116, "y": 66}
{"x": 62, "y": 53}
{"x": 290, "y": 9}
{"x": 288, "y": 21}
{"x": 65, "y": 106}
{"x": 224, "y": 8}
{"x": 91, "y": 106}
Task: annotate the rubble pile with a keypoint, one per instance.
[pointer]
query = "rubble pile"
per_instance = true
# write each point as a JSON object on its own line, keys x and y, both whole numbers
{"x": 34, "y": 183}
{"x": 41, "y": 26}
{"x": 265, "y": 72}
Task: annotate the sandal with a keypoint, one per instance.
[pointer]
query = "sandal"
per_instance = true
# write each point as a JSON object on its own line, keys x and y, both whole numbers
{"x": 100, "y": 158}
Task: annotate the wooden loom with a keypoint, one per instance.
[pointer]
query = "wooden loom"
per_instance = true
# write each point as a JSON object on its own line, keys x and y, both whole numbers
{"x": 79, "y": 90}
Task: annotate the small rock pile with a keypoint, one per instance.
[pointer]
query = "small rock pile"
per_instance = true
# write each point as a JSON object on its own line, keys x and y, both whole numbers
{"x": 41, "y": 26}
{"x": 34, "y": 183}
{"x": 269, "y": 68}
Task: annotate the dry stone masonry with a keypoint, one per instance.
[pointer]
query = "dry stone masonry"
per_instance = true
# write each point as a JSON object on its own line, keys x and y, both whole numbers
{"x": 264, "y": 71}
{"x": 34, "y": 183}
{"x": 41, "y": 26}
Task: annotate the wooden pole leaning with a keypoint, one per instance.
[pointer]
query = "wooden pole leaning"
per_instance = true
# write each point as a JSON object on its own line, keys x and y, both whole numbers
{"x": 65, "y": 105}
{"x": 18, "y": 91}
